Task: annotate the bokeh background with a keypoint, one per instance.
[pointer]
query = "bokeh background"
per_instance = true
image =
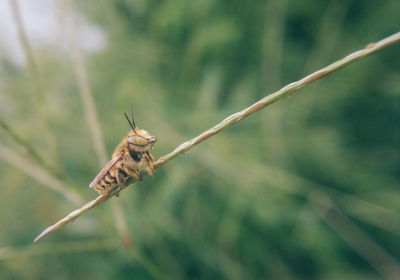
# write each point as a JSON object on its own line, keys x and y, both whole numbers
{"x": 307, "y": 188}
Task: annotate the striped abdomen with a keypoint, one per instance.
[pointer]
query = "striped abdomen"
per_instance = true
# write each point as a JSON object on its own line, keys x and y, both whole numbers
{"x": 106, "y": 184}
{"x": 110, "y": 181}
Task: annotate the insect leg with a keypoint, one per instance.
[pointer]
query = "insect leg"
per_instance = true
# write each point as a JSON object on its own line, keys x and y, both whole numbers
{"x": 118, "y": 176}
{"x": 149, "y": 163}
{"x": 132, "y": 169}
{"x": 120, "y": 179}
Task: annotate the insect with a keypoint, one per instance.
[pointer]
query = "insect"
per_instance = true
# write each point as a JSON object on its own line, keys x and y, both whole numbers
{"x": 128, "y": 157}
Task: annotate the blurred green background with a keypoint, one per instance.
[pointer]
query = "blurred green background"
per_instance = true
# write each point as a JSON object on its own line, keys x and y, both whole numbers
{"x": 307, "y": 188}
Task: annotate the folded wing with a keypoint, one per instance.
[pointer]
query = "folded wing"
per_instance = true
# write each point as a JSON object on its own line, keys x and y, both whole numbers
{"x": 104, "y": 171}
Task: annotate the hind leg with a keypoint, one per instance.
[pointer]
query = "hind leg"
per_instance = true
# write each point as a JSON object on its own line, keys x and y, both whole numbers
{"x": 120, "y": 179}
{"x": 125, "y": 172}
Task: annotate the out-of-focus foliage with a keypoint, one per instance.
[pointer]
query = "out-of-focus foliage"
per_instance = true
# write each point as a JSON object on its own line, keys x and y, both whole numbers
{"x": 308, "y": 188}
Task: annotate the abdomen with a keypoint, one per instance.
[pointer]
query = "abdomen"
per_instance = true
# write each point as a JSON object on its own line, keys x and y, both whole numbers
{"x": 107, "y": 183}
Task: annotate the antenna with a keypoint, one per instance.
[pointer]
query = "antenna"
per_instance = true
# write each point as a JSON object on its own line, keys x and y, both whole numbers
{"x": 133, "y": 121}
{"x": 129, "y": 121}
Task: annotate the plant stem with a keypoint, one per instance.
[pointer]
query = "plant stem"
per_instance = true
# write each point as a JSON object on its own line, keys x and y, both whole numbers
{"x": 92, "y": 119}
{"x": 66, "y": 247}
{"x": 35, "y": 75}
{"x": 84, "y": 88}
{"x": 379, "y": 259}
{"x": 269, "y": 99}
{"x": 40, "y": 174}
{"x": 31, "y": 150}
{"x": 234, "y": 118}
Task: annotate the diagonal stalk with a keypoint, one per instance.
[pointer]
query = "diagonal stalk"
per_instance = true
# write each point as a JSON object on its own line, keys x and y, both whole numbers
{"x": 35, "y": 75}
{"x": 41, "y": 174}
{"x": 234, "y": 118}
{"x": 92, "y": 119}
{"x": 374, "y": 254}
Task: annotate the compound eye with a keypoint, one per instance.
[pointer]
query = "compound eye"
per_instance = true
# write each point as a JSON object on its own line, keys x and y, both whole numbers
{"x": 137, "y": 140}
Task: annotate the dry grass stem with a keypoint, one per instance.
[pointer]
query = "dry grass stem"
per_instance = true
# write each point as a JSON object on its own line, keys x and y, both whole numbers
{"x": 91, "y": 117}
{"x": 384, "y": 263}
{"x": 34, "y": 73}
{"x": 40, "y": 174}
{"x": 30, "y": 149}
{"x": 66, "y": 247}
{"x": 84, "y": 88}
{"x": 23, "y": 38}
{"x": 234, "y": 118}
